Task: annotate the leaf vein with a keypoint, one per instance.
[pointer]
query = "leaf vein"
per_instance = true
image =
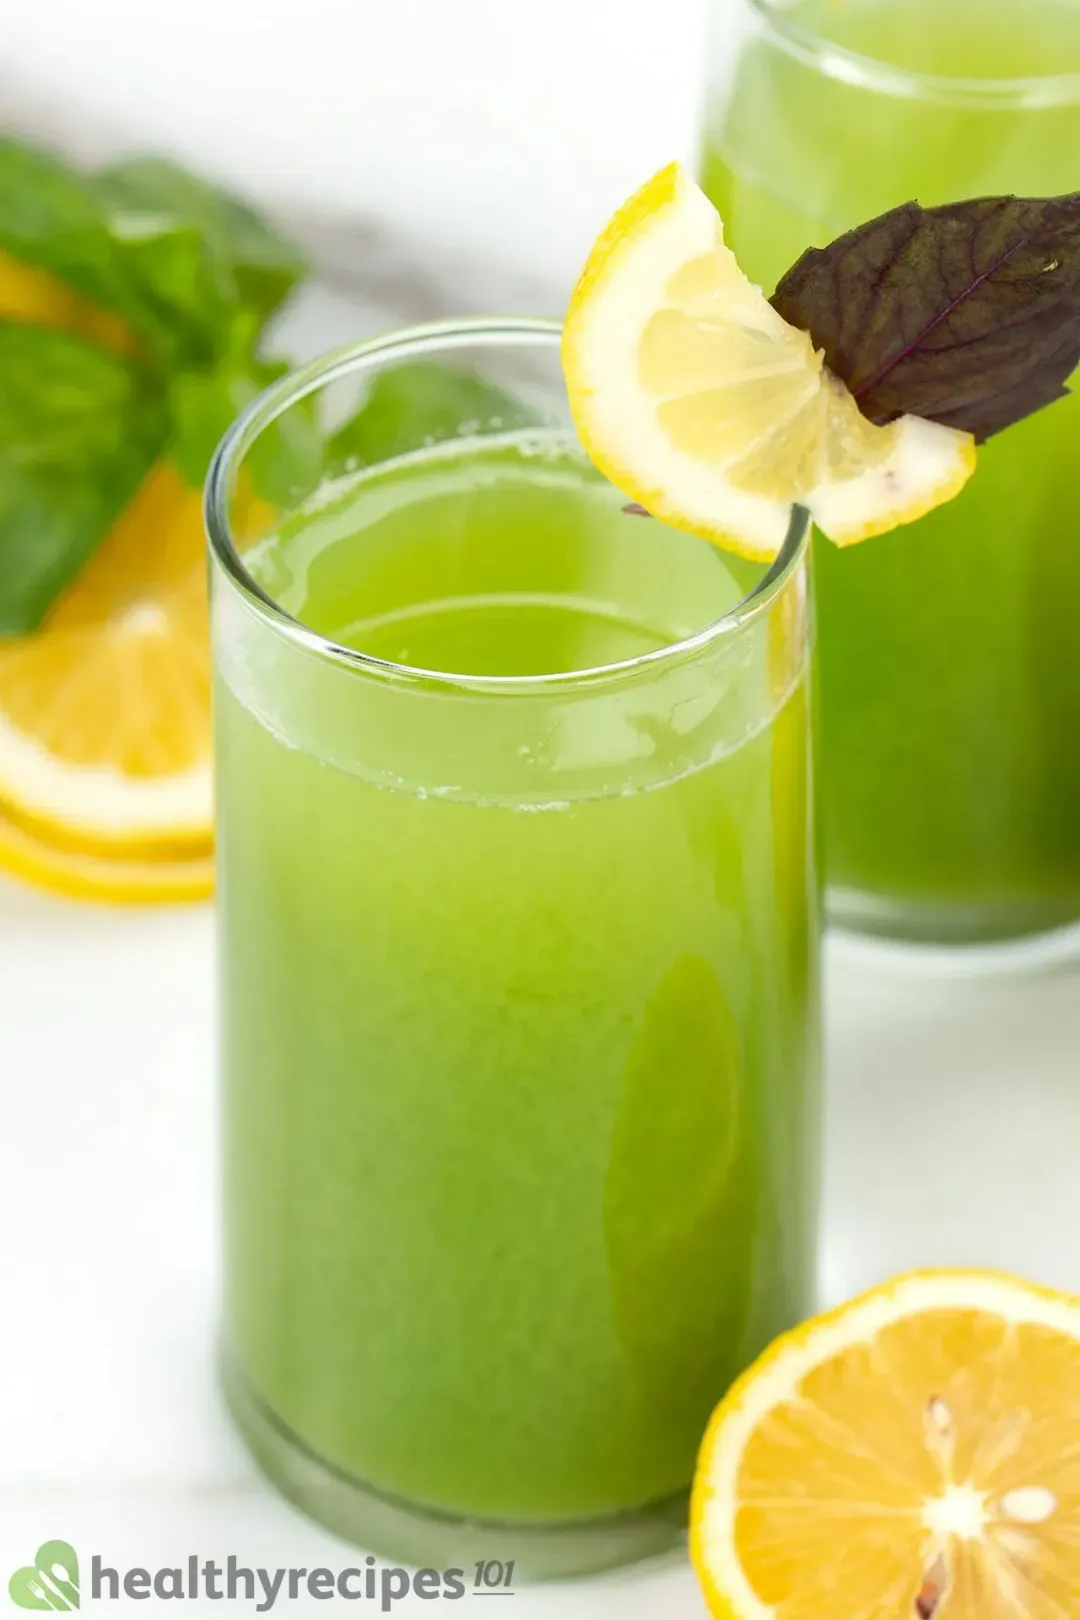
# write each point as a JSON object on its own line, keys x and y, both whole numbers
{"x": 916, "y": 342}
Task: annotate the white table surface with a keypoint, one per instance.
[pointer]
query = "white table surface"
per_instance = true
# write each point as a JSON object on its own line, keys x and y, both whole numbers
{"x": 953, "y": 1129}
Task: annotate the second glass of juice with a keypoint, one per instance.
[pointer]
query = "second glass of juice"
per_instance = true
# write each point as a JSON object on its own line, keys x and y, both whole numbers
{"x": 518, "y": 964}
{"x": 950, "y": 659}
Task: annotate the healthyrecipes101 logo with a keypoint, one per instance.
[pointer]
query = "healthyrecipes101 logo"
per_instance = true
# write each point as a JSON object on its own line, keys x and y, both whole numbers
{"x": 52, "y": 1581}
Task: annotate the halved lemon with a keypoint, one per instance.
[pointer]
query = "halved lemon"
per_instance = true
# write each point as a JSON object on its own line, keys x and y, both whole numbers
{"x": 702, "y": 404}
{"x": 914, "y": 1455}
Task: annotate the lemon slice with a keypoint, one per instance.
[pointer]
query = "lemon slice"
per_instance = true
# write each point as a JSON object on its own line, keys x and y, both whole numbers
{"x": 105, "y": 712}
{"x": 700, "y": 402}
{"x": 912, "y": 1456}
{"x": 149, "y": 876}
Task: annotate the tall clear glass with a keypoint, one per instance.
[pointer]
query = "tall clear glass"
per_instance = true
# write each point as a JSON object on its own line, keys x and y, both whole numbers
{"x": 950, "y": 660}
{"x": 518, "y": 948}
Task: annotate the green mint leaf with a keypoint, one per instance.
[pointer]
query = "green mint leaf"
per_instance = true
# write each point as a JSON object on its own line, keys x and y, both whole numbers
{"x": 201, "y": 407}
{"x": 286, "y": 461}
{"x": 186, "y": 311}
{"x": 967, "y": 314}
{"x": 247, "y": 260}
{"x": 419, "y": 402}
{"x": 77, "y": 435}
{"x": 50, "y": 216}
{"x": 183, "y": 263}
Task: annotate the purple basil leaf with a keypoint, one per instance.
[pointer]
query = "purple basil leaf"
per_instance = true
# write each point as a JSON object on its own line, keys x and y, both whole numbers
{"x": 967, "y": 314}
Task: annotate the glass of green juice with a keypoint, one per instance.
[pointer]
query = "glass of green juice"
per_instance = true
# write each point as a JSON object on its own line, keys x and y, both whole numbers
{"x": 518, "y": 945}
{"x": 950, "y": 658}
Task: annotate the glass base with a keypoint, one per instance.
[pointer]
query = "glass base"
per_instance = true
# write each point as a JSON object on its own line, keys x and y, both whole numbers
{"x": 972, "y": 939}
{"x": 428, "y": 1539}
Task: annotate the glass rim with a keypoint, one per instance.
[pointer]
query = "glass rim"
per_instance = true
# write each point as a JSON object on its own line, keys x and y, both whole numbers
{"x": 858, "y": 67}
{"x": 409, "y": 343}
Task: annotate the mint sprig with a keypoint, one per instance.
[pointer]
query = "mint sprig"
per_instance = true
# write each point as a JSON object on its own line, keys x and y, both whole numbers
{"x": 195, "y": 274}
{"x": 198, "y": 254}
{"x": 968, "y": 315}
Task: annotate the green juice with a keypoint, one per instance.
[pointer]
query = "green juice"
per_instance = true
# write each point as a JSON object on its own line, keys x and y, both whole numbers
{"x": 950, "y": 660}
{"x": 518, "y": 992}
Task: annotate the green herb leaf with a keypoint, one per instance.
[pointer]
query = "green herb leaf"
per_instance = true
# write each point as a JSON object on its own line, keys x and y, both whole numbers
{"x": 182, "y": 262}
{"x": 50, "y": 216}
{"x": 249, "y": 261}
{"x": 195, "y": 273}
{"x": 186, "y": 311}
{"x": 77, "y": 435}
{"x": 421, "y": 402}
{"x": 967, "y": 314}
{"x": 286, "y": 460}
{"x": 201, "y": 406}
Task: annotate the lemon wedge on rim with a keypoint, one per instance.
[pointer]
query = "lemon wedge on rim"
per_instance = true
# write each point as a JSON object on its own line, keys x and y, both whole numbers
{"x": 700, "y": 402}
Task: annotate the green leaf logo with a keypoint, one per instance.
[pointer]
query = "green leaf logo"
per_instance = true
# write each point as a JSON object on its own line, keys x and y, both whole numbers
{"x": 51, "y": 1581}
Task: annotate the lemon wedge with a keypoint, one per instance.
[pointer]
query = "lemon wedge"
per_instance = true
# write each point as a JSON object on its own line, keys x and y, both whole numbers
{"x": 700, "y": 402}
{"x": 912, "y": 1455}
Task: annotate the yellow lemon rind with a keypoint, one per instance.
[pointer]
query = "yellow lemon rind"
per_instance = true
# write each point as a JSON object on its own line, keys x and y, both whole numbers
{"x": 91, "y": 876}
{"x": 100, "y": 806}
{"x": 957, "y": 455}
{"x": 791, "y": 1357}
{"x": 668, "y": 202}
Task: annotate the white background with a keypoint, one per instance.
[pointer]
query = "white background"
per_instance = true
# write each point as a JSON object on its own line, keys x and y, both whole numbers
{"x": 494, "y": 127}
{"x": 472, "y": 131}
